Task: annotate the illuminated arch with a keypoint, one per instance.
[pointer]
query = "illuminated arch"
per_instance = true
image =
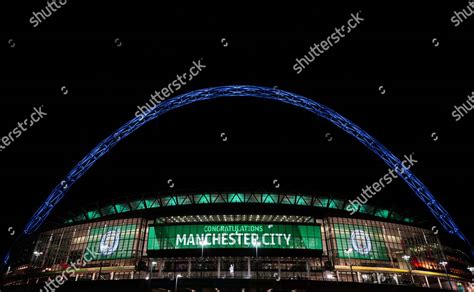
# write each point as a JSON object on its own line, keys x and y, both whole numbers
{"x": 350, "y": 128}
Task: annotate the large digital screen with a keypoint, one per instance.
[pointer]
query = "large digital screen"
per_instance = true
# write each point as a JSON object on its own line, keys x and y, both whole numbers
{"x": 360, "y": 242}
{"x": 161, "y": 237}
{"x": 112, "y": 242}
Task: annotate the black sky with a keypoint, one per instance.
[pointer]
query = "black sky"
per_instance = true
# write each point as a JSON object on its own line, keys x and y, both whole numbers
{"x": 76, "y": 47}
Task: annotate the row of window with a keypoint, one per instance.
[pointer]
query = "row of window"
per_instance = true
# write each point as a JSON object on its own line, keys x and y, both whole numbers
{"x": 123, "y": 242}
{"x": 373, "y": 242}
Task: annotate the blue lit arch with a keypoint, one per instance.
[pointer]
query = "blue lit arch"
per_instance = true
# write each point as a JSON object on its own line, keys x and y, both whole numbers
{"x": 420, "y": 190}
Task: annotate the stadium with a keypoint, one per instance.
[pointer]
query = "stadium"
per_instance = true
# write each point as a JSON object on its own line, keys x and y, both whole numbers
{"x": 246, "y": 239}
{"x": 238, "y": 240}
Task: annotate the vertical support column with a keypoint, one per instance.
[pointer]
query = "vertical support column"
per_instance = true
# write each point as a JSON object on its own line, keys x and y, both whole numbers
{"x": 248, "y": 267}
{"x": 439, "y": 282}
{"x": 189, "y": 268}
{"x": 427, "y": 282}
{"x": 162, "y": 264}
{"x": 378, "y": 278}
{"x": 279, "y": 268}
{"x": 359, "y": 277}
{"x": 46, "y": 252}
{"x": 218, "y": 267}
{"x": 70, "y": 247}
{"x": 60, "y": 244}
{"x": 387, "y": 245}
{"x": 307, "y": 269}
{"x": 93, "y": 276}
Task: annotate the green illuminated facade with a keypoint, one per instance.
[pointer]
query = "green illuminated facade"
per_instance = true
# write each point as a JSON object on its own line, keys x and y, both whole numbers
{"x": 242, "y": 236}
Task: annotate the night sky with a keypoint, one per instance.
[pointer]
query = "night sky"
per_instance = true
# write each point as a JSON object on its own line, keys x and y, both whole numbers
{"x": 110, "y": 60}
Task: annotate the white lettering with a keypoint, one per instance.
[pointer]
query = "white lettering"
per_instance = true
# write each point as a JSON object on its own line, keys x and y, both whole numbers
{"x": 279, "y": 238}
{"x": 239, "y": 238}
{"x": 215, "y": 239}
{"x": 246, "y": 238}
{"x": 191, "y": 240}
{"x": 232, "y": 239}
{"x": 180, "y": 239}
{"x": 254, "y": 238}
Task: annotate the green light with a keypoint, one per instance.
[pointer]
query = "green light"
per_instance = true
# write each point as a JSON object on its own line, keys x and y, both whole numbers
{"x": 299, "y": 200}
{"x": 121, "y": 208}
{"x": 383, "y": 213}
{"x": 269, "y": 199}
{"x": 93, "y": 215}
{"x": 152, "y": 204}
{"x": 204, "y": 199}
{"x": 234, "y": 236}
{"x": 236, "y": 198}
{"x": 169, "y": 201}
{"x": 303, "y": 201}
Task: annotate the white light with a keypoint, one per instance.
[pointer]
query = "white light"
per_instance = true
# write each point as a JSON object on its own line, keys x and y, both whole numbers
{"x": 330, "y": 276}
{"x": 406, "y": 257}
{"x": 443, "y": 263}
{"x": 154, "y": 263}
{"x": 147, "y": 278}
{"x": 178, "y": 276}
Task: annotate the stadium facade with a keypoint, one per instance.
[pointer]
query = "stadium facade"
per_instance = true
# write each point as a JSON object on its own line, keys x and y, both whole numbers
{"x": 271, "y": 237}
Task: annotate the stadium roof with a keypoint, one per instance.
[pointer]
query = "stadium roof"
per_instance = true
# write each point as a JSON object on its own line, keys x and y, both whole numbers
{"x": 162, "y": 201}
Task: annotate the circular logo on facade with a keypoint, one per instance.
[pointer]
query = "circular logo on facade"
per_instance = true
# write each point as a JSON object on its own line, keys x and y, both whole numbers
{"x": 361, "y": 242}
{"x": 109, "y": 242}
